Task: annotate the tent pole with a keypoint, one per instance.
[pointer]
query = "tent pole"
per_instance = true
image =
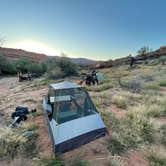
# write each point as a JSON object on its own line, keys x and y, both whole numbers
{"x": 57, "y": 113}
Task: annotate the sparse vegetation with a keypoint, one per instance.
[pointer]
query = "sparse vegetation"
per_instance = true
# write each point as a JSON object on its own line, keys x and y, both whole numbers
{"x": 140, "y": 102}
{"x": 99, "y": 88}
{"x": 163, "y": 134}
{"x": 155, "y": 156}
{"x": 120, "y": 101}
{"x": 50, "y": 162}
{"x": 12, "y": 143}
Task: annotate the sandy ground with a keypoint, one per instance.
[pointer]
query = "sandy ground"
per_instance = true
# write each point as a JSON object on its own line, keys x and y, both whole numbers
{"x": 13, "y": 93}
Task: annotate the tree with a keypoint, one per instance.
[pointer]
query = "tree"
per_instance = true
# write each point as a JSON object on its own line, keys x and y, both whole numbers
{"x": 67, "y": 66}
{"x": 144, "y": 50}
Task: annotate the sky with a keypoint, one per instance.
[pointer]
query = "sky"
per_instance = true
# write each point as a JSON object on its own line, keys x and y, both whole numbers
{"x": 95, "y": 29}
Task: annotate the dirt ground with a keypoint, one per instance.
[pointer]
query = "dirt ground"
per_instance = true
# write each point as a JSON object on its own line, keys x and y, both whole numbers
{"x": 13, "y": 93}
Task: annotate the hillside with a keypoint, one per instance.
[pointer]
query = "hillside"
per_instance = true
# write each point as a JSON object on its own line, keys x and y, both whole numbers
{"x": 14, "y": 54}
{"x": 139, "y": 59}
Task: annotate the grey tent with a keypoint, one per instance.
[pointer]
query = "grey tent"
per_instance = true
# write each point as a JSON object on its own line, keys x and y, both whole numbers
{"x": 73, "y": 118}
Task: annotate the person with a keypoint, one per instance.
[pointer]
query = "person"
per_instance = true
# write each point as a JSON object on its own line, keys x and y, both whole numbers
{"x": 29, "y": 76}
{"x": 88, "y": 79}
{"x": 94, "y": 76}
{"x": 132, "y": 60}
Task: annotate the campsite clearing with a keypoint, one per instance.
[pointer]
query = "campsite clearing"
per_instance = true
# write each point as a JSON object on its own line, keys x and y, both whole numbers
{"x": 135, "y": 119}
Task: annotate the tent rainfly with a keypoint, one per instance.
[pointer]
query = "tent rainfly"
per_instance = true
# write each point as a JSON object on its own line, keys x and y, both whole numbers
{"x": 73, "y": 118}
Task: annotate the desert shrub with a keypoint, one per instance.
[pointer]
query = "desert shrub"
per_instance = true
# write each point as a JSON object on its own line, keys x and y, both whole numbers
{"x": 115, "y": 146}
{"x": 67, "y": 66}
{"x": 50, "y": 162}
{"x": 163, "y": 134}
{"x": 162, "y": 83}
{"x": 9, "y": 143}
{"x": 35, "y": 68}
{"x": 60, "y": 68}
{"x": 136, "y": 84}
{"x": 12, "y": 142}
{"x": 22, "y": 64}
{"x": 78, "y": 162}
{"x": 155, "y": 105}
{"x": 132, "y": 130}
{"x": 29, "y": 148}
{"x": 3, "y": 63}
{"x": 110, "y": 120}
{"x": 10, "y": 68}
{"x": 7, "y": 67}
{"x": 57, "y": 162}
{"x": 156, "y": 157}
{"x": 29, "y": 126}
{"x": 162, "y": 59}
{"x": 156, "y": 110}
{"x": 101, "y": 101}
{"x": 152, "y": 85}
{"x": 148, "y": 77}
{"x": 137, "y": 130}
{"x": 55, "y": 73}
{"x": 157, "y": 161}
{"x": 120, "y": 101}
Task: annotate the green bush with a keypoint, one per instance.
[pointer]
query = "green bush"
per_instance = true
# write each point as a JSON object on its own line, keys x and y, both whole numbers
{"x": 24, "y": 65}
{"x": 10, "y": 68}
{"x": 35, "y": 68}
{"x": 67, "y": 66}
{"x": 7, "y": 67}
{"x": 162, "y": 83}
{"x": 50, "y": 162}
{"x": 3, "y": 63}
{"x": 59, "y": 68}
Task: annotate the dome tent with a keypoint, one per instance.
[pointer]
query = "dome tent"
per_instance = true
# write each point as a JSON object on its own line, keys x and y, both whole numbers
{"x": 73, "y": 118}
